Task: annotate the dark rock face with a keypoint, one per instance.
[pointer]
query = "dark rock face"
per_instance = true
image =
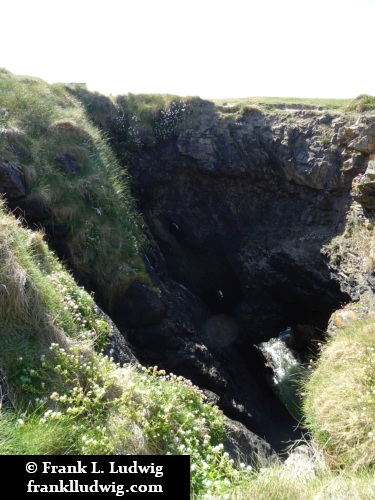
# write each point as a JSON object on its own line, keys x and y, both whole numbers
{"x": 244, "y": 446}
{"x": 30, "y": 210}
{"x": 13, "y": 187}
{"x": 239, "y": 211}
{"x": 68, "y": 164}
{"x": 12, "y": 179}
{"x": 139, "y": 307}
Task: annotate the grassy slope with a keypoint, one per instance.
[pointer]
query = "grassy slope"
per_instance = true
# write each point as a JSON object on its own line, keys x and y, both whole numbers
{"x": 41, "y": 123}
{"x": 340, "y": 396}
{"x": 73, "y": 396}
{"x": 63, "y": 396}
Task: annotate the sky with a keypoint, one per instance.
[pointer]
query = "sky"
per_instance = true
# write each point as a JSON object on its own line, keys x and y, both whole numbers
{"x": 208, "y": 48}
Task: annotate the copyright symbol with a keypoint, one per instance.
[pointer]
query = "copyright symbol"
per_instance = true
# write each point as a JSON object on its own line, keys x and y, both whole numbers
{"x": 31, "y": 467}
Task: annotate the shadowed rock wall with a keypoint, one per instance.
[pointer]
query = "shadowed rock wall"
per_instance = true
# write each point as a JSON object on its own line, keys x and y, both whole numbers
{"x": 238, "y": 212}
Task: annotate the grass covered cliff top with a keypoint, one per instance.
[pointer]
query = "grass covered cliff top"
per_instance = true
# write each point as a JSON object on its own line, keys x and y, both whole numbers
{"x": 284, "y": 102}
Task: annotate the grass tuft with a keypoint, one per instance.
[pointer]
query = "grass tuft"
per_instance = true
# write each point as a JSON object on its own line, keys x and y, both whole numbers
{"x": 339, "y": 405}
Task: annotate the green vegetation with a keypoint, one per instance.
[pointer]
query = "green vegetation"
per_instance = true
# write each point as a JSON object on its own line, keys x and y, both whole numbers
{"x": 71, "y": 169}
{"x": 40, "y": 303}
{"x": 284, "y": 102}
{"x": 284, "y": 483}
{"x": 143, "y": 120}
{"x": 136, "y": 121}
{"x": 239, "y": 107}
{"x": 363, "y": 103}
{"x": 340, "y": 397}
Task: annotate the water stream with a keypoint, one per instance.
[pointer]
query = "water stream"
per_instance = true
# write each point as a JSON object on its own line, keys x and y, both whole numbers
{"x": 286, "y": 370}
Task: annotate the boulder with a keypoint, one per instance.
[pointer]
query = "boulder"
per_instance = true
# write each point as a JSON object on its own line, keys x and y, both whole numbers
{"x": 138, "y": 306}
{"x": 118, "y": 348}
{"x": 364, "y": 187}
{"x": 360, "y": 136}
{"x": 243, "y": 446}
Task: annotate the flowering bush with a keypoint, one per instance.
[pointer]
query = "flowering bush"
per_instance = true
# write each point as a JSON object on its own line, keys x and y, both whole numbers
{"x": 176, "y": 419}
{"x": 122, "y": 410}
{"x": 127, "y": 130}
{"x": 88, "y": 325}
{"x": 169, "y": 117}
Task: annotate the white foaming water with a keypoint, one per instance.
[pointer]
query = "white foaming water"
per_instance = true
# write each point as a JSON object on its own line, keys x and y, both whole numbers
{"x": 280, "y": 358}
{"x": 286, "y": 369}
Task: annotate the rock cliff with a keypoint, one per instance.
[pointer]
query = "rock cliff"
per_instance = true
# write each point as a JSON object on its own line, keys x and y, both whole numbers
{"x": 242, "y": 213}
{"x": 245, "y": 214}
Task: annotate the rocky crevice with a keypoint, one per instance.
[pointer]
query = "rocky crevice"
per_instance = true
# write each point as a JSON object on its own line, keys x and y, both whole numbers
{"x": 238, "y": 212}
